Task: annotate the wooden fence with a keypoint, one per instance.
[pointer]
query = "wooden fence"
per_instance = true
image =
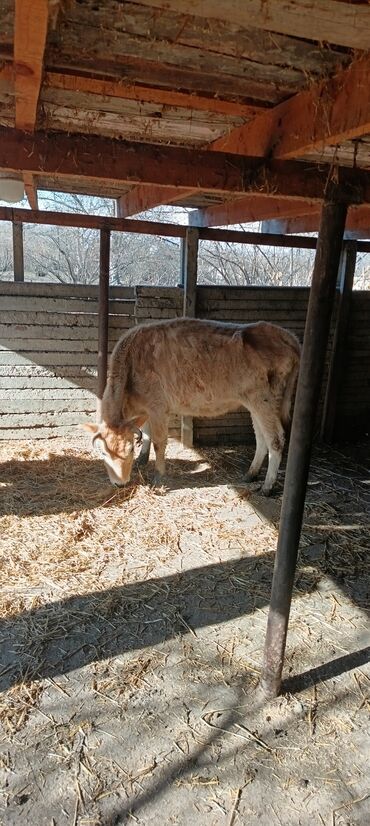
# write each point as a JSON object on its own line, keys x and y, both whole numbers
{"x": 48, "y": 351}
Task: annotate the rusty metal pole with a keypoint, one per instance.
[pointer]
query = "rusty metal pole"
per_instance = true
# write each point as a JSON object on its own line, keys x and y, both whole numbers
{"x": 322, "y": 293}
{"x": 103, "y": 318}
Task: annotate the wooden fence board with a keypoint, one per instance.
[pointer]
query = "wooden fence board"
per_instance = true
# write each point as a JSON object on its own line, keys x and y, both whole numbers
{"x": 41, "y": 290}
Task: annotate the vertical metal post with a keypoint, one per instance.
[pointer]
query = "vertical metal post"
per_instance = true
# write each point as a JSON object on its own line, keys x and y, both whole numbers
{"x": 18, "y": 257}
{"x": 346, "y": 275}
{"x": 103, "y": 316}
{"x": 189, "y": 266}
{"x": 333, "y": 218}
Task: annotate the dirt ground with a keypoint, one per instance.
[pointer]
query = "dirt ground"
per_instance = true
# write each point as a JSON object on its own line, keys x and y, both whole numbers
{"x": 132, "y": 629}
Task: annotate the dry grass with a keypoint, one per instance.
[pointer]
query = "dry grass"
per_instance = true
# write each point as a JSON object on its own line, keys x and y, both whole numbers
{"x": 78, "y": 554}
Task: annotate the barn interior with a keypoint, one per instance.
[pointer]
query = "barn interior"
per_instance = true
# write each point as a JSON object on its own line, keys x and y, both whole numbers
{"x": 138, "y": 678}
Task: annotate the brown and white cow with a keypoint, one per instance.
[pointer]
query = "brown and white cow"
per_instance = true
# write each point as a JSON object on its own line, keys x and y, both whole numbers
{"x": 192, "y": 367}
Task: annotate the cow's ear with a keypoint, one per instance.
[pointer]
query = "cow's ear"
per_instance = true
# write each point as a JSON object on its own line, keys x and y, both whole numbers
{"x": 92, "y": 428}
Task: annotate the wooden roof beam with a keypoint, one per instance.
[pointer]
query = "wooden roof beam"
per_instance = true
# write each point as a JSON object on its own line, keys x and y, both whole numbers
{"x": 344, "y": 24}
{"x": 147, "y": 94}
{"x": 104, "y": 159}
{"x": 328, "y": 113}
{"x": 141, "y": 198}
{"x": 31, "y": 189}
{"x": 358, "y": 219}
{"x": 249, "y": 209}
{"x": 31, "y": 24}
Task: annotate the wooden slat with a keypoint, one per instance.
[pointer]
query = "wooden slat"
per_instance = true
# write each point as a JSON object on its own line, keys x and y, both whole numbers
{"x": 78, "y": 157}
{"x": 51, "y": 345}
{"x": 358, "y": 218}
{"x": 29, "y": 420}
{"x": 46, "y": 333}
{"x": 8, "y": 357}
{"x": 11, "y": 396}
{"x": 249, "y": 209}
{"x": 338, "y": 350}
{"x": 328, "y": 113}
{"x": 37, "y": 408}
{"x": 18, "y": 256}
{"x": 18, "y": 432}
{"x": 31, "y": 23}
{"x": 344, "y": 24}
{"x": 149, "y": 94}
{"x": 141, "y": 198}
{"x": 31, "y": 189}
{"x": 65, "y": 319}
{"x": 35, "y": 288}
{"x": 45, "y": 384}
{"x": 62, "y": 305}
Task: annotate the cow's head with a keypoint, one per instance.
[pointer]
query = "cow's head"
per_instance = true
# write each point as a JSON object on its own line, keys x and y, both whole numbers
{"x": 117, "y": 447}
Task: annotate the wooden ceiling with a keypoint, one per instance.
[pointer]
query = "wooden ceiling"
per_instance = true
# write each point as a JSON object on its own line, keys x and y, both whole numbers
{"x": 205, "y": 104}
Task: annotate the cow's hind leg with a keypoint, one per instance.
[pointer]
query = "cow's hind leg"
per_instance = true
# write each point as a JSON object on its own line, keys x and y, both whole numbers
{"x": 159, "y": 433}
{"x": 261, "y": 450}
{"x": 273, "y": 432}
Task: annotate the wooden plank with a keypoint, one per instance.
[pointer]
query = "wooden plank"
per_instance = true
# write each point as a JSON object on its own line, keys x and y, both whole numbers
{"x": 30, "y": 189}
{"x": 149, "y": 94}
{"x": 272, "y": 305}
{"x": 18, "y": 257}
{"x": 43, "y": 345}
{"x": 336, "y": 366}
{"x": 71, "y": 320}
{"x": 78, "y": 373}
{"x": 59, "y": 431}
{"x": 37, "y": 419}
{"x": 30, "y": 30}
{"x": 77, "y": 156}
{"x": 249, "y": 209}
{"x": 259, "y": 294}
{"x": 357, "y": 219}
{"x": 8, "y": 357}
{"x": 151, "y": 313}
{"x": 91, "y": 291}
{"x": 332, "y": 21}
{"x": 46, "y": 384}
{"x": 31, "y": 332}
{"x": 40, "y": 406}
{"x": 12, "y": 395}
{"x": 189, "y": 263}
{"x": 103, "y": 319}
{"x": 174, "y": 293}
{"x": 63, "y": 305}
{"x": 142, "y": 198}
{"x": 70, "y": 219}
{"x": 190, "y": 271}
{"x": 328, "y": 113}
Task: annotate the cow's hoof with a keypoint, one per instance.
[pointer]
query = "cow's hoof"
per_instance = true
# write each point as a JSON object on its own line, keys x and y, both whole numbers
{"x": 253, "y": 485}
{"x": 158, "y": 480}
{"x": 251, "y": 477}
{"x": 266, "y": 491}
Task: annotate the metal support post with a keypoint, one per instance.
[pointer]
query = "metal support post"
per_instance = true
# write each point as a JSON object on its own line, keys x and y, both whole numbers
{"x": 320, "y": 306}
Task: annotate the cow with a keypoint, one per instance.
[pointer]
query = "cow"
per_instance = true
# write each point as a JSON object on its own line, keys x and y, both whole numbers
{"x": 201, "y": 368}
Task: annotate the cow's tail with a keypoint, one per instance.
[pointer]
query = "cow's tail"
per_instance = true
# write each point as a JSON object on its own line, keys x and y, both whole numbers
{"x": 290, "y": 386}
{"x": 117, "y": 383}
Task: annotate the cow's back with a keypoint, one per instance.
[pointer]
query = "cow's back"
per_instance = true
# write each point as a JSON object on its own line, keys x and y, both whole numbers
{"x": 196, "y": 367}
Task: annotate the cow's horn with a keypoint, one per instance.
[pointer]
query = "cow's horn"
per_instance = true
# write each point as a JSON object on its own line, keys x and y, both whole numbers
{"x": 138, "y": 434}
{"x": 97, "y": 436}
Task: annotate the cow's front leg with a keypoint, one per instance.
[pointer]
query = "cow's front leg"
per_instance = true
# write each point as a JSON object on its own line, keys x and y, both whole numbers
{"x": 159, "y": 432}
{"x": 261, "y": 450}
